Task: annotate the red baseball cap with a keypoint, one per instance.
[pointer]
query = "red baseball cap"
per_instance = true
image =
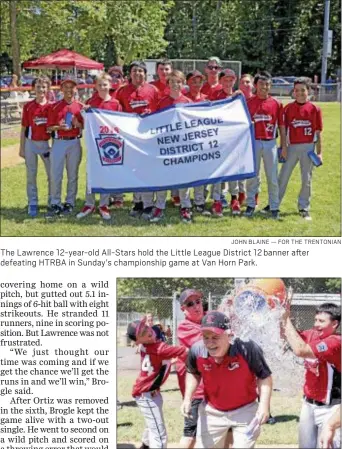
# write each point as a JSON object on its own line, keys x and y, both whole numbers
{"x": 69, "y": 79}
{"x": 115, "y": 68}
{"x": 189, "y": 293}
{"x": 216, "y": 322}
{"x": 227, "y": 72}
{"x": 135, "y": 328}
{"x": 194, "y": 74}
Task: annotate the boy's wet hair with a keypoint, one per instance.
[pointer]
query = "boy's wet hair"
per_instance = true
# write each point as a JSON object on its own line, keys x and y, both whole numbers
{"x": 41, "y": 79}
{"x": 303, "y": 80}
{"x": 164, "y": 61}
{"x": 263, "y": 76}
{"x": 331, "y": 309}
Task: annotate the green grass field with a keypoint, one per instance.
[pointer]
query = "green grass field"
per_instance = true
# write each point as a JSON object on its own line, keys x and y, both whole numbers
{"x": 325, "y": 208}
{"x": 130, "y": 423}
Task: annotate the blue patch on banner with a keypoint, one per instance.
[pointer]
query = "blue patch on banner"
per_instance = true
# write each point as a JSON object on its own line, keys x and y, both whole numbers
{"x": 110, "y": 148}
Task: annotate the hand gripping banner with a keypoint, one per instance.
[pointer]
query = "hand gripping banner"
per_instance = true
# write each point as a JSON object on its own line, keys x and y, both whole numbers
{"x": 185, "y": 145}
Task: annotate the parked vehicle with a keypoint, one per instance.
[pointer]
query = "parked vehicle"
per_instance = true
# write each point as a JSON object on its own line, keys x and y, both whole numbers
{"x": 281, "y": 87}
{"x": 3, "y": 85}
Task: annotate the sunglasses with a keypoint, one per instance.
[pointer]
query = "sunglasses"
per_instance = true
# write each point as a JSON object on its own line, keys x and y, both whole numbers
{"x": 192, "y": 303}
{"x": 117, "y": 76}
{"x": 214, "y": 67}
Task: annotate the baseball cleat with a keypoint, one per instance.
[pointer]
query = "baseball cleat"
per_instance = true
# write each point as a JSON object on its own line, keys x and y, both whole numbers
{"x": 216, "y": 209}
{"x": 87, "y": 210}
{"x": 104, "y": 212}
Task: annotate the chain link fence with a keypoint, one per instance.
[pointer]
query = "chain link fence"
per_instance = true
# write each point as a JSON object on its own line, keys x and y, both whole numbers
{"x": 167, "y": 312}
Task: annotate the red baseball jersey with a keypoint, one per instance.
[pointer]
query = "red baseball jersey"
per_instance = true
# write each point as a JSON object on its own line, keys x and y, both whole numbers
{"x": 219, "y": 95}
{"x": 142, "y": 99}
{"x": 210, "y": 91}
{"x": 34, "y": 119}
{"x": 302, "y": 121}
{"x": 323, "y": 374}
{"x": 155, "y": 366}
{"x": 98, "y": 102}
{"x": 188, "y": 333}
{"x": 267, "y": 114}
{"x": 197, "y": 99}
{"x": 169, "y": 101}
{"x": 58, "y": 112}
{"x": 164, "y": 89}
{"x": 233, "y": 382}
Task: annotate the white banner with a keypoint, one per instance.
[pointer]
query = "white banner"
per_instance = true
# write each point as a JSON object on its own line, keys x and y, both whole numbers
{"x": 181, "y": 146}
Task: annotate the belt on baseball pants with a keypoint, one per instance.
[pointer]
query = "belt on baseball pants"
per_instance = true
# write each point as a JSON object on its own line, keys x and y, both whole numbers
{"x": 67, "y": 138}
{"x": 265, "y": 140}
{"x": 334, "y": 401}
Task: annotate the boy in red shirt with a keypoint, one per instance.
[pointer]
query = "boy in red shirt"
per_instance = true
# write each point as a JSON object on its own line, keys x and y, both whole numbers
{"x": 139, "y": 97}
{"x": 321, "y": 349}
{"x": 155, "y": 369}
{"x": 212, "y": 70}
{"x": 267, "y": 115}
{"x": 176, "y": 82}
{"x": 65, "y": 124}
{"x": 34, "y": 140}
{"x": 102, "y": 101}
{"x": 303, "y": 122}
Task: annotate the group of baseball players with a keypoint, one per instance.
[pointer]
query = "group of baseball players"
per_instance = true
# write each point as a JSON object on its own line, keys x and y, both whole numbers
{"x": 226, "y": 383}
{"x": 299, "y": 124}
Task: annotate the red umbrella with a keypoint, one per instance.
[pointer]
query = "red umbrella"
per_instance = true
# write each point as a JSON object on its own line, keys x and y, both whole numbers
{"x": 64, "y": 59}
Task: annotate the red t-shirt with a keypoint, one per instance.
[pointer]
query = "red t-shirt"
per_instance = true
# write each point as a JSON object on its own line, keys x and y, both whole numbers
{"x": 198, "y": 99}
{"x": 188, "y": 333}
{"x": 34, "y": 119}
{"x": 267, "y": 114}
{"x": 142, "y": 99}
{"x": 57, "y": 113}
{"x": 232, "y": 383}
{"x": 302, "y": 121}
{"x": 169, "y": 101}
{"x": 98, "y": 102}
{"x": 219, "y": 95}
{"x": 155, "y": 366}
{"x": 210, "y": 91}
{"x": 323, "y": 374}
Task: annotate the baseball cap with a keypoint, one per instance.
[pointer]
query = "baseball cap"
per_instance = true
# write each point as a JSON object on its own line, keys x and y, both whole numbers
{"x": 216, "y": 322}
{"x": 194, "y": 74}
{"x": 115, "y": 68}
{"x": 134, "y": 328}
{"x": 139, "y": 64}
{"x": 216, "y": 59}
{"x": 69, "y": 79}
{"x": 189, "y": 293}
{"x": 227, "y": 72}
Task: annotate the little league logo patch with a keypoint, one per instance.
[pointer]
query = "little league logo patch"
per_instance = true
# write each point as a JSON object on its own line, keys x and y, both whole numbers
{"x": 321, "y": 347}
{"x": 110, "y": 148}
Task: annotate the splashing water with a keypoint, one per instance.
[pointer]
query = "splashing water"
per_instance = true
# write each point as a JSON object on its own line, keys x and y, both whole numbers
{"x": 252, "y": 318}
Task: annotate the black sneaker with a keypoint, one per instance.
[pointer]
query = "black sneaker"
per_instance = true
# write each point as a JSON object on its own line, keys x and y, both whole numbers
{"x": 143, "y": 446}
{"x": 275, "y": 214}
{"x": 305, "y": 214}
{"x": 147, "y": 213}
{"x": 67, "y": 209}
{"x": 200, "y": 208}
{"x": 54, "y": 211}
{"x": 137, "y": 210}
{"x": 249, "y": 211}
{"x": 266, "y": 210}
{"x": 271, "y": 420}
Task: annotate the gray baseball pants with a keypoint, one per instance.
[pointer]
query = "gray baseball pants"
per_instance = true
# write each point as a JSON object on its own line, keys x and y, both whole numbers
{"x": 312, "y": 418}
{"x": 68, "y": 153}
{"x": 298, "y": 153}
{"x": 235, "y": 187}
{"x": 199, "y": 195}
{"x": 33, "y": 150}
{"x": 151, "y": 406}
{"x": 91, "y": 201}
{"x": 266, "y": 150}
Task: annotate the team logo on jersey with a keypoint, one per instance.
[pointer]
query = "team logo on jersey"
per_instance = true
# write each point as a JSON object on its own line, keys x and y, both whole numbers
{"x": 300, "y": 123}
{"x": 207, "y": 367}
{"x": 321, "y": 347}
{"x": 40, "y": 120}
{"x": 111, "y": 149}
{"x": 262, "y": 118}
{"x": 233, "y": 365}
{"x": 134, "y": 104}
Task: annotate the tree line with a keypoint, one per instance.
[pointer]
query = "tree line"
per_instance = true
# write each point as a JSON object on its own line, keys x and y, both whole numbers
{"x": 283, "y": 36}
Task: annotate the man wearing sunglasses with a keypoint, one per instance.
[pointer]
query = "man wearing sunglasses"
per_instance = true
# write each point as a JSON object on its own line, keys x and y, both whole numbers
{"x": 188, "y": 333}
{"x": 212, "y": 71}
